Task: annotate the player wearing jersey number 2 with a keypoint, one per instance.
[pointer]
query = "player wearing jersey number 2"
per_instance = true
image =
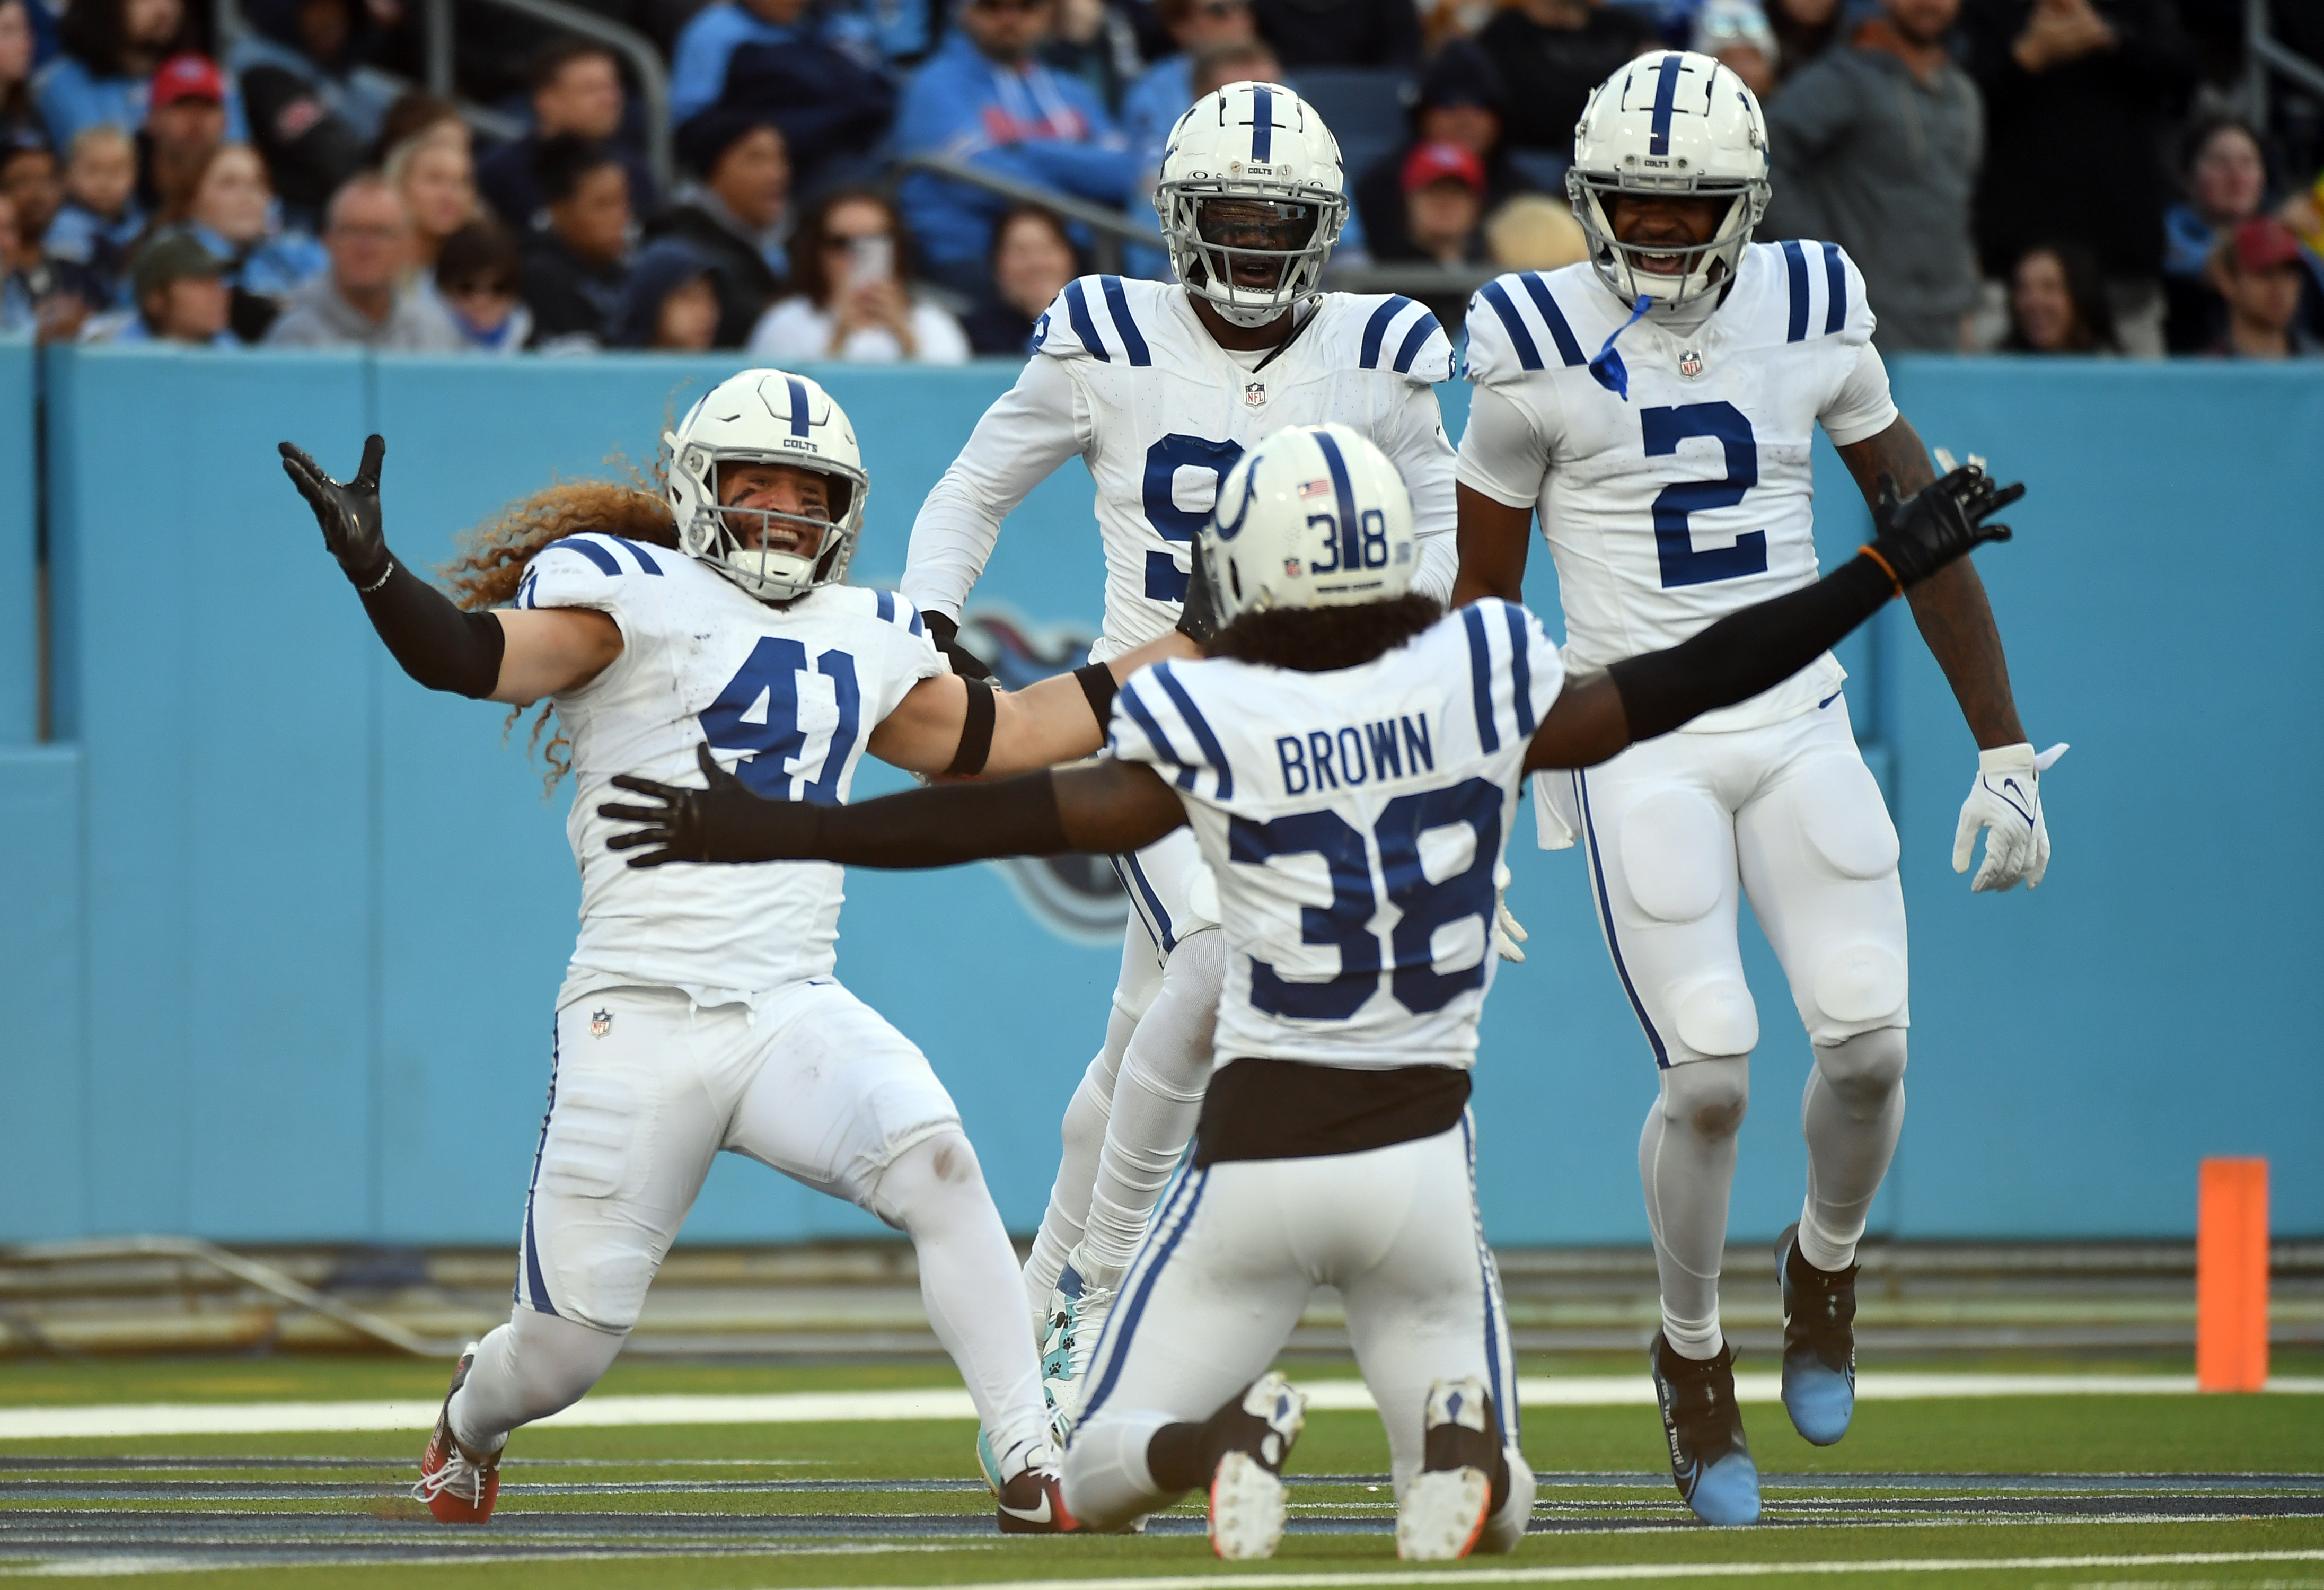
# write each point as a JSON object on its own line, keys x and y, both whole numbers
{"x": 1346, "y": 757}
{"x": 1656, "y": 405}
{"x": 699, "y": 1010}
{"x": 1160, "y": 387}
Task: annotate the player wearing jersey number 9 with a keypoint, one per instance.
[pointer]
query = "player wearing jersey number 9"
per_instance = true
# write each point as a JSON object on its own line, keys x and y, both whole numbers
{"x": 1337, "y": 719}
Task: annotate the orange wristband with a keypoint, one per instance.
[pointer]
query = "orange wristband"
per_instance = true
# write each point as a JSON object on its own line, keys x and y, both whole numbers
{"x": 1884, "y": 567}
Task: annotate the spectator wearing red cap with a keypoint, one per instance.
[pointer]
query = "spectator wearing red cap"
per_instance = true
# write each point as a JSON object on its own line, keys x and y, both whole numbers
{"x": 2258, "y": 269}
{"x": 1465, "y": 101}
{"x": 112, "y": 50}
{"x": 184, "y": 126}
{"x": 1443, "y": 204}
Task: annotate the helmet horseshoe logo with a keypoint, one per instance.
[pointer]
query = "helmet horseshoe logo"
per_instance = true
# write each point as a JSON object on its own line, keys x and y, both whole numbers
{"x": 1229, "y": 529}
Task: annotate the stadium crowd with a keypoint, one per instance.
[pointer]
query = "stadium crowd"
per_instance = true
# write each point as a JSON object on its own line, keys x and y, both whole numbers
{"x": 2034, "y": 176}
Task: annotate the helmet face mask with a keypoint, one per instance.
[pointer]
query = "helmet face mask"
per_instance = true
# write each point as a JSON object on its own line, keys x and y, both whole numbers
{"x": 1252, "y": 179}
{"x": 1675, "y": 125}
{"x": 767, "y": 417}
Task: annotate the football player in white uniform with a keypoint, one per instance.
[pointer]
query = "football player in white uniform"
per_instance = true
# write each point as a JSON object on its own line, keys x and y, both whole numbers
{"x": 699, "y": 1010}
{"x": 1656, "y": 406}
{"x": 1160, "y": 387}
{"x": 1348, "y": 756}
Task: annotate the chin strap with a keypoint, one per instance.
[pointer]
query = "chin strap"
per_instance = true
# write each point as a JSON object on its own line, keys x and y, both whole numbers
{"x": 1608, "y": 367}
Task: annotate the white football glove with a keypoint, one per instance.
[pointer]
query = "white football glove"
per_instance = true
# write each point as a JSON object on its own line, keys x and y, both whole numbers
{"x": 1507, "y": 931}
{"x": 2005, "y": 801}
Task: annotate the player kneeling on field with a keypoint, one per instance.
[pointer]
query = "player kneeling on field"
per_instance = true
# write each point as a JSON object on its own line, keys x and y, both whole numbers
{"x": 1345, "y": 747}
{"x": 700, "y": 1013}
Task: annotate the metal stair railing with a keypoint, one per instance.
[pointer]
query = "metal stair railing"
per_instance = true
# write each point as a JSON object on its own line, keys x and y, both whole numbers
{"x": 2264, "y": 54}
{"x": 654, "y": 77}
{"x": 1112, "y": 227}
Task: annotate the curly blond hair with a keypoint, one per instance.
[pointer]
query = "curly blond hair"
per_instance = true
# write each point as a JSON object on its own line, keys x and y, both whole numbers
{"x": 489, "y": 561}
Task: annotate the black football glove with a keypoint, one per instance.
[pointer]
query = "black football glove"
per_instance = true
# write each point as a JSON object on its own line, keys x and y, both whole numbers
{"x": 946, "y": 634}
{"x": 348, "y": 513}
{"x": 1198, "y": 618}
{"x": 723, "y": 822}
{"x": 1944, "y": 520}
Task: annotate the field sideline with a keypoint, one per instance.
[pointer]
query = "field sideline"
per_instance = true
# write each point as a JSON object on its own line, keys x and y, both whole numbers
{"x": 2022, "y": 1491}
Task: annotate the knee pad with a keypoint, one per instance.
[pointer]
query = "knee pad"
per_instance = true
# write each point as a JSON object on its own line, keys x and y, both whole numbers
{"x": 1866, "y": 1068}
{"x": 1837, "y": 804}
{"x": 1717, "y": 1019}
{"x": 1711, "y": 1097}
{"x": 1676, "y": 854}
{"x": 1857, "y": 982}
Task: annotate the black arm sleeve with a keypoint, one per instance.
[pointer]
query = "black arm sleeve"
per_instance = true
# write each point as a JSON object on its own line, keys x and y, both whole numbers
{"x": 933, "y": 828}
{"x": 1749, "y": 652}
{"x": 437, "y": 644}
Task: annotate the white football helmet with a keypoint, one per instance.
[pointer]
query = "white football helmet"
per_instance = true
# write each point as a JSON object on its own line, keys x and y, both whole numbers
{"x": 1261, "y": 144}
{"x": 766, "y": 417}
{"x": 1673, "y": 123}
{"x": 1314, "y": 516}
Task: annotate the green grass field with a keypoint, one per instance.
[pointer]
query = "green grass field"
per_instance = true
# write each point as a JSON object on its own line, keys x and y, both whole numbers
{"x": 2222, "y": 1483}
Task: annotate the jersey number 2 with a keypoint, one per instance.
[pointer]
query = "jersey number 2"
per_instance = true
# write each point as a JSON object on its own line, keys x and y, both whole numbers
{"x": 1665, "y": 428}
{"x": 1424, "y": 907}
{"x": 1164, "y": 459}
{"x": 758, "y": 712}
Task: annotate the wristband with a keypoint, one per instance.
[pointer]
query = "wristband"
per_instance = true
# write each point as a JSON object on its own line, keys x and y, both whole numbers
{"x": 1099, "y": 685}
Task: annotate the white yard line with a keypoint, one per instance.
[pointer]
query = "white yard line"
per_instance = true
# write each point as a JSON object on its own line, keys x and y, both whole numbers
{"x": 224, "y": 1418}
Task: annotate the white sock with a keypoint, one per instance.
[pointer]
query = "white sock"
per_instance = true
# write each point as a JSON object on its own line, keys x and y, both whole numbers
{"x": 1852, "y": 1110}
{"x": 1156, "y": 1103}
{"x": 1083, "y": 1132}
{"x": 934, "y": 1192}
{"x": 1686, "y": 1164}
{"x": 535, "y": 1366}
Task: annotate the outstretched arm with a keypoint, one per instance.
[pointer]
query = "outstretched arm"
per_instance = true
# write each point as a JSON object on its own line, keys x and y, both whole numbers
{"x": 1101, "y": 810}
{"x": 1950, "y": 607}
{"x": 1745, "y": 652}
{"x": 514, "y": 656}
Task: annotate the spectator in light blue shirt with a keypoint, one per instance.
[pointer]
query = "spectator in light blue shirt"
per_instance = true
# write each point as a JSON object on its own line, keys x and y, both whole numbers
{"x": 706, "y": 44}
{"x": 100, "y": 221}
{"x": 326, "y": 44}
{"x": 181, "y": 298}
{"x": 1159, "y": 99}
{"x": 984, "y": 98}
{"x": 111, "y": 50}
{"x": 236, "y": 217}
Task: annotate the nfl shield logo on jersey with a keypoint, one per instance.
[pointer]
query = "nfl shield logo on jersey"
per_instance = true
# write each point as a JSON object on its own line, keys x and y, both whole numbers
{"x": 1254, "y": 396}
{"x": 1690, "y": 363}
{"x": 601, "y": 1023}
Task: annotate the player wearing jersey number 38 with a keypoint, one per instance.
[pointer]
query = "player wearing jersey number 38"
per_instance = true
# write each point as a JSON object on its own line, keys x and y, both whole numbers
{"x": 1347, "y": 757}
{"x": 1160, "y": 387}
{"x": 709, "y": 628}
{"x": 1655, "y": 405}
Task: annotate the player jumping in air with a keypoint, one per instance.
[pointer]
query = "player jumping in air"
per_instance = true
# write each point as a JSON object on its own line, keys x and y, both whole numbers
{"x": 1348, "y": 757}
{"x": 699, "y": 1011}
{"x": 1656, "y": 406}
{"x": 1160, "y": 387}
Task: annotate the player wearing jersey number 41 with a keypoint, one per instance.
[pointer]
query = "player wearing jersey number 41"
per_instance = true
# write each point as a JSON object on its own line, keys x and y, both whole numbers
{"x": 1656, "y": 405}
{"x": 1346, "y": 757}
{"x": 710, "y": 627}
{"x": 1160, "y": 387}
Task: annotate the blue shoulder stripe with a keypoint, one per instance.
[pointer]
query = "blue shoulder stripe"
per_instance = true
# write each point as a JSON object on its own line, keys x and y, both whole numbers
{"x": 1118, "y": 305}
{"x": 1560, "y": 332}
{"x": 1413, "y": 341}
{"x": 1480, "y": 677}
{"x": 588, "y": 549}
{"x": 646, "y": 565}
{"x": 884, "y": 604}
{"x": 1795, "y": 267}
{"x": 1520, "y": 668}
{"x": 916, "y": 626}
{"x": 1375, "y": 330}
{"x": 1835, "y": 276}
{"x": 1153, "y": 733}
{"x": 1077, "y": 311}
{"x": 1520, "y": 339}
{"x": 1208, "y": 741}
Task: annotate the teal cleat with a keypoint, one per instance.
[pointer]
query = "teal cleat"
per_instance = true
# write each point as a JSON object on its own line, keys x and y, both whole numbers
{"x": 1708, "y": 1459}
{"x": 1819, "y": 1342}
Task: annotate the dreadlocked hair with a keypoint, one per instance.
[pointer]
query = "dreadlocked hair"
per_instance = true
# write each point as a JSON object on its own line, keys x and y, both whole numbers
{"x": 1319, "y": 640}
{"x": 489, "y": 561}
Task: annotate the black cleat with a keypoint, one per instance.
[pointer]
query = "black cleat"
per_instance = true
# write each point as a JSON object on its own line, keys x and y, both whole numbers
{"x": 1708, "y": 1459}
{"x": 1819, "y": 1342}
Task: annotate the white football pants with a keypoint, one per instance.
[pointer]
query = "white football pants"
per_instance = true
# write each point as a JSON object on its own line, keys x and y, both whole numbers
{"x": 1238, "y": 1250}
{"x": 645, "y": 1088}
{"x": 1678, "y": 829}
{"x": 1134, "y": 1113}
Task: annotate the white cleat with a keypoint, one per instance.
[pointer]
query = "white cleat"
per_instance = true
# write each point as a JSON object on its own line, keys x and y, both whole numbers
{"x": 1246, "y": 1496}
{"x": 1079, "y": 1306}
{"x": 1444, "y": 1508}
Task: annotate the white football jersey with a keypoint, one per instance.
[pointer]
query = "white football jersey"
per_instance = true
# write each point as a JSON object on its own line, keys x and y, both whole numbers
{"x": 1126, "y": 377}
{"x": 1694, "y": 495}
{"x": 1353, "y": 821}
{"x": 787, "y": 696}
